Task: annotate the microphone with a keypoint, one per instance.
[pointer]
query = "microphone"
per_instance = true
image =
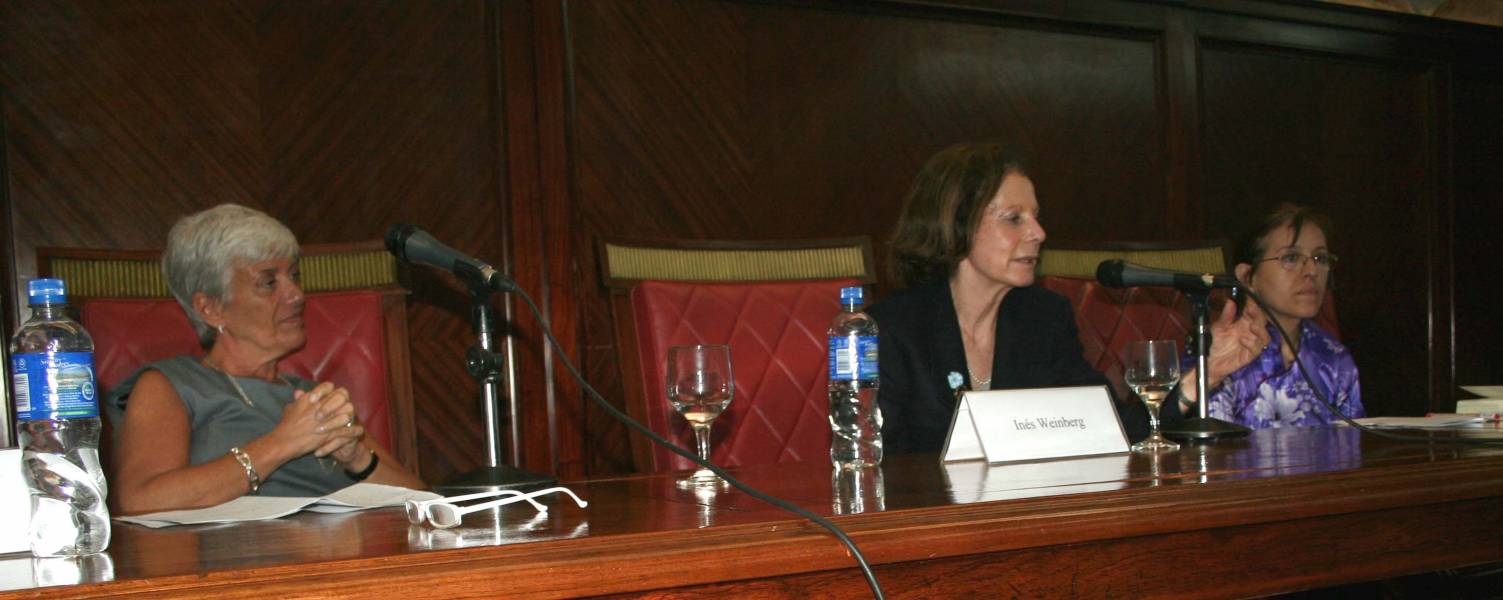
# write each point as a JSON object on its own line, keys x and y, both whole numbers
{"x": 413, "y": 245}
{"x": 1121, "y": 274}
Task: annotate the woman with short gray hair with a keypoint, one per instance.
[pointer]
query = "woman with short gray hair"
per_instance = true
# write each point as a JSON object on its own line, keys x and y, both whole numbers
{"x": 205, "y": 430}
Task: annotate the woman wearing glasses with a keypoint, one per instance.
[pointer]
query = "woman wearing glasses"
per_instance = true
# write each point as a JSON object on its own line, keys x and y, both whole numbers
{"x": 1286, "y": 262}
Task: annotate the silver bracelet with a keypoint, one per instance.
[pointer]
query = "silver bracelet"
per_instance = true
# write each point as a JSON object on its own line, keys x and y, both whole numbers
{"x": 252, "y": 478}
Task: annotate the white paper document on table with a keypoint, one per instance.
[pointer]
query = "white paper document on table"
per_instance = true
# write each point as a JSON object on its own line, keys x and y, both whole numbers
{"x": 1430, "y": 422}
{"x": 360, "y": 496}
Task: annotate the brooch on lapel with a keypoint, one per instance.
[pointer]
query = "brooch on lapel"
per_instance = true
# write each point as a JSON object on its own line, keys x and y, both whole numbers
{"x": 957, "y": 384}
{"x": 956, "y": 380}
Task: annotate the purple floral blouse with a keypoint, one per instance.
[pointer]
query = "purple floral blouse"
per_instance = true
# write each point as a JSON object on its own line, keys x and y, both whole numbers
{"x": 1265, "y": 393}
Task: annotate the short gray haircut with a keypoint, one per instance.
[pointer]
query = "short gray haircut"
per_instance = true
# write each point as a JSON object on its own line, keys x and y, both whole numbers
{"x": 204, "y": 248}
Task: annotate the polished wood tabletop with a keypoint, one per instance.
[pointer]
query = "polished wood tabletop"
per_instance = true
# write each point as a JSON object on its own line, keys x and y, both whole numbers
{"x": 1277, "y": 511}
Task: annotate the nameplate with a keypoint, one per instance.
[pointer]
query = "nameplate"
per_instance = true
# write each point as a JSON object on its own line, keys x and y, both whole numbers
{"x": 1016, "y": 425}
{"x": 977, "y": 481}
{"x": 15, "y": 504}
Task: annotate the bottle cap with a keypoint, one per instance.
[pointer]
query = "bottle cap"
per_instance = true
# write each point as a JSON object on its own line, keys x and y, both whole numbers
{"x": 850, "y": 294}
{"x": 46, "y": 291}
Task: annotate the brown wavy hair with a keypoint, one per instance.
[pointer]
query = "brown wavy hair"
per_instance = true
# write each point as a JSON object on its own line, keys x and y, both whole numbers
{"x": 943, "y": 208}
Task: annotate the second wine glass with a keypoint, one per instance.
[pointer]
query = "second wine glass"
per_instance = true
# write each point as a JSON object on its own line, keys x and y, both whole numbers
{"x": 1152, "y": 370}
{"x": 700, "y": 386}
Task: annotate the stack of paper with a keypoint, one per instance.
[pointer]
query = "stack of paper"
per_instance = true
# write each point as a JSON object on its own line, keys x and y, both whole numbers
{"x": 1490, "y": 405}
{"x": 360, "y": 496}
{"x": 1430, "y": 422}
{"x": 1492, "y": 392}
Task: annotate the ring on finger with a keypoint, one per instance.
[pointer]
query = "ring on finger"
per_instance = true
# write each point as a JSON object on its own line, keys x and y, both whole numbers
{"x": 350, "y": 422}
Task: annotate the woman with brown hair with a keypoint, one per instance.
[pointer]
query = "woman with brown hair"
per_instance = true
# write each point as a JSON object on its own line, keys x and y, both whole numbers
{"x": 966, "y": 247}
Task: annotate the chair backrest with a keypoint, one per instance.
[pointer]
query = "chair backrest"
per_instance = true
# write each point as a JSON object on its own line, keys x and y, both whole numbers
{"x": 1079, "y": 260}
{"x": 1110, "y": 319}
{"x": 355, "y": 317}
{"x": 776, "y": 331}
{"x": 770, "y": 301}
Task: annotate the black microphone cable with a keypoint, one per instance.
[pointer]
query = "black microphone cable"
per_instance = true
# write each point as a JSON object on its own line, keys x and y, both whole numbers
{"x": 866, "y": 570}
{"x": 1321, "y": 395}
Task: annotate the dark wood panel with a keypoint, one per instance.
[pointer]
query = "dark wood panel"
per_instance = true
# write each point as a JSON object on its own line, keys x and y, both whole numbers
{"x": 1354, "y": 138}
{"x": 8, "y": 314}
{"x": 733, "y": 120}
{"x": 338, "y": 117}
{"x": 138, "y": 110}
{"x": 1479, "y": 229}
{"x": 357, "y": 139}
{"x": 1304, "y": 546}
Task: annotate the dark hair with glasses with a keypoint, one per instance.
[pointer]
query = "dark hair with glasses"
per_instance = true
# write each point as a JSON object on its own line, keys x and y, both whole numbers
{"x": 1252, "y": 246}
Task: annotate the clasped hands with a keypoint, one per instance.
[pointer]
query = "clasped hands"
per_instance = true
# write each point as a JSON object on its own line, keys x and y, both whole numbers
{"x": 322, "y": 421}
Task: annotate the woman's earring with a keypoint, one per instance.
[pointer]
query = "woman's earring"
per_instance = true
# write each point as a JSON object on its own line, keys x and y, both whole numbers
{"x": 220, "y": 328}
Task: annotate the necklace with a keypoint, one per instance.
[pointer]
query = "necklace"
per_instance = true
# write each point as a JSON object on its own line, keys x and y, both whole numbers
{"x": 239, "y": 390}
{"x": 327, "y": 462}
{"x": 978, "y": 383}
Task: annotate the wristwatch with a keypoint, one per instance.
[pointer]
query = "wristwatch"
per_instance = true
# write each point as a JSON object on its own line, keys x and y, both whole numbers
{"x": 366, "y": 472}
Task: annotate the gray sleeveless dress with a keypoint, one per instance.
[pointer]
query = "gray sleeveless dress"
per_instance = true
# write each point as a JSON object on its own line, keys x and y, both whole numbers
{"x": 220, "y": 419}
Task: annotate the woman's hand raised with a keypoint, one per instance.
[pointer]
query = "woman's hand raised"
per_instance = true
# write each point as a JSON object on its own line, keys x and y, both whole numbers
{"x": 1235, "y": 341}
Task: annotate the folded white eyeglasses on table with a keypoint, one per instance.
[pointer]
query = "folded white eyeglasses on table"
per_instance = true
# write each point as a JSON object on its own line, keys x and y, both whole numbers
{"x": 443, "y": 513}
{"x": 421, "y": 506}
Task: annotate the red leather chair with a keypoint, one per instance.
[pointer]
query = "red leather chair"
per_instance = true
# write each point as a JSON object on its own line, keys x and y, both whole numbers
{"x": 775, "y": 327}
{"x": 355, "y": 337}
{"x": 345, "y": 345}
{"x": 776, "y": 331}
{"x": 1110, "y": 319}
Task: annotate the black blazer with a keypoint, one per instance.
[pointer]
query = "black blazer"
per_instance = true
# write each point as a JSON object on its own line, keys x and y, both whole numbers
{"x": 919, "y": 346}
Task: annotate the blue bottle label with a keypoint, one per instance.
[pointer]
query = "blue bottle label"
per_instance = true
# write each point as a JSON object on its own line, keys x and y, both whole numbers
{"x": 54, "y": 386}
{"x": 853, "y": 363}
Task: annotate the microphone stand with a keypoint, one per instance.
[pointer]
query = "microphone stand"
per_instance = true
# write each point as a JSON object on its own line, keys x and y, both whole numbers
{"x": 483, "y": 362}
{"x": 1202, "y": 427}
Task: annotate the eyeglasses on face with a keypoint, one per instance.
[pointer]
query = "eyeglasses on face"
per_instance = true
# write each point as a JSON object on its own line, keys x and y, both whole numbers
{"x": 1294, "y": 261}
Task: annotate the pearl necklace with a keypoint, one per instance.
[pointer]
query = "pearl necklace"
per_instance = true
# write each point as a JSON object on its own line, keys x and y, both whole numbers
{"x": 978, "y": 384}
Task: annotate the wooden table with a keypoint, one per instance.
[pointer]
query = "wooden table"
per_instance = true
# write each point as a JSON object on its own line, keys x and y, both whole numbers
{"x": 1279, "y": 511}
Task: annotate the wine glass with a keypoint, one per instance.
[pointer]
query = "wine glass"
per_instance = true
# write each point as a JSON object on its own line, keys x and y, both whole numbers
{"x": 699, "y": 388}
{"x": 1152, "y": 370}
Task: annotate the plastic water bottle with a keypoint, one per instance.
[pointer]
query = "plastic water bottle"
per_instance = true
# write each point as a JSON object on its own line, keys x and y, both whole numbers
{"x": 57, "y": 416}
{"x": 854, "y": 415}
{"x": 855, "y": 491}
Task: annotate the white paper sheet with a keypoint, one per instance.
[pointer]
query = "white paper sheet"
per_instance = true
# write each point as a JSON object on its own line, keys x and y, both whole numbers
{"x": 1486, "y": 391}
{"x": 360, "y": 496}
{"x": 1488, "y": 408}
{"x": 15, "y": 503}
{"x": 1430, "y": 422}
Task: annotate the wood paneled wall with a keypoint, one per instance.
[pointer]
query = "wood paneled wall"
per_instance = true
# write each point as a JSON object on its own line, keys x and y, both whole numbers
{"x": 522, "y": 131}
{"x": 339, "y": 118}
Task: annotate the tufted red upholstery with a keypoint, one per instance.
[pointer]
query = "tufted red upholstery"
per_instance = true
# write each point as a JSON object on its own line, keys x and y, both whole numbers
{"x": 345, "y": 345}
{"x": 1110, "y": 319}
{"x": 776, "y": 331}
{"x": 1326, "y": 319}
